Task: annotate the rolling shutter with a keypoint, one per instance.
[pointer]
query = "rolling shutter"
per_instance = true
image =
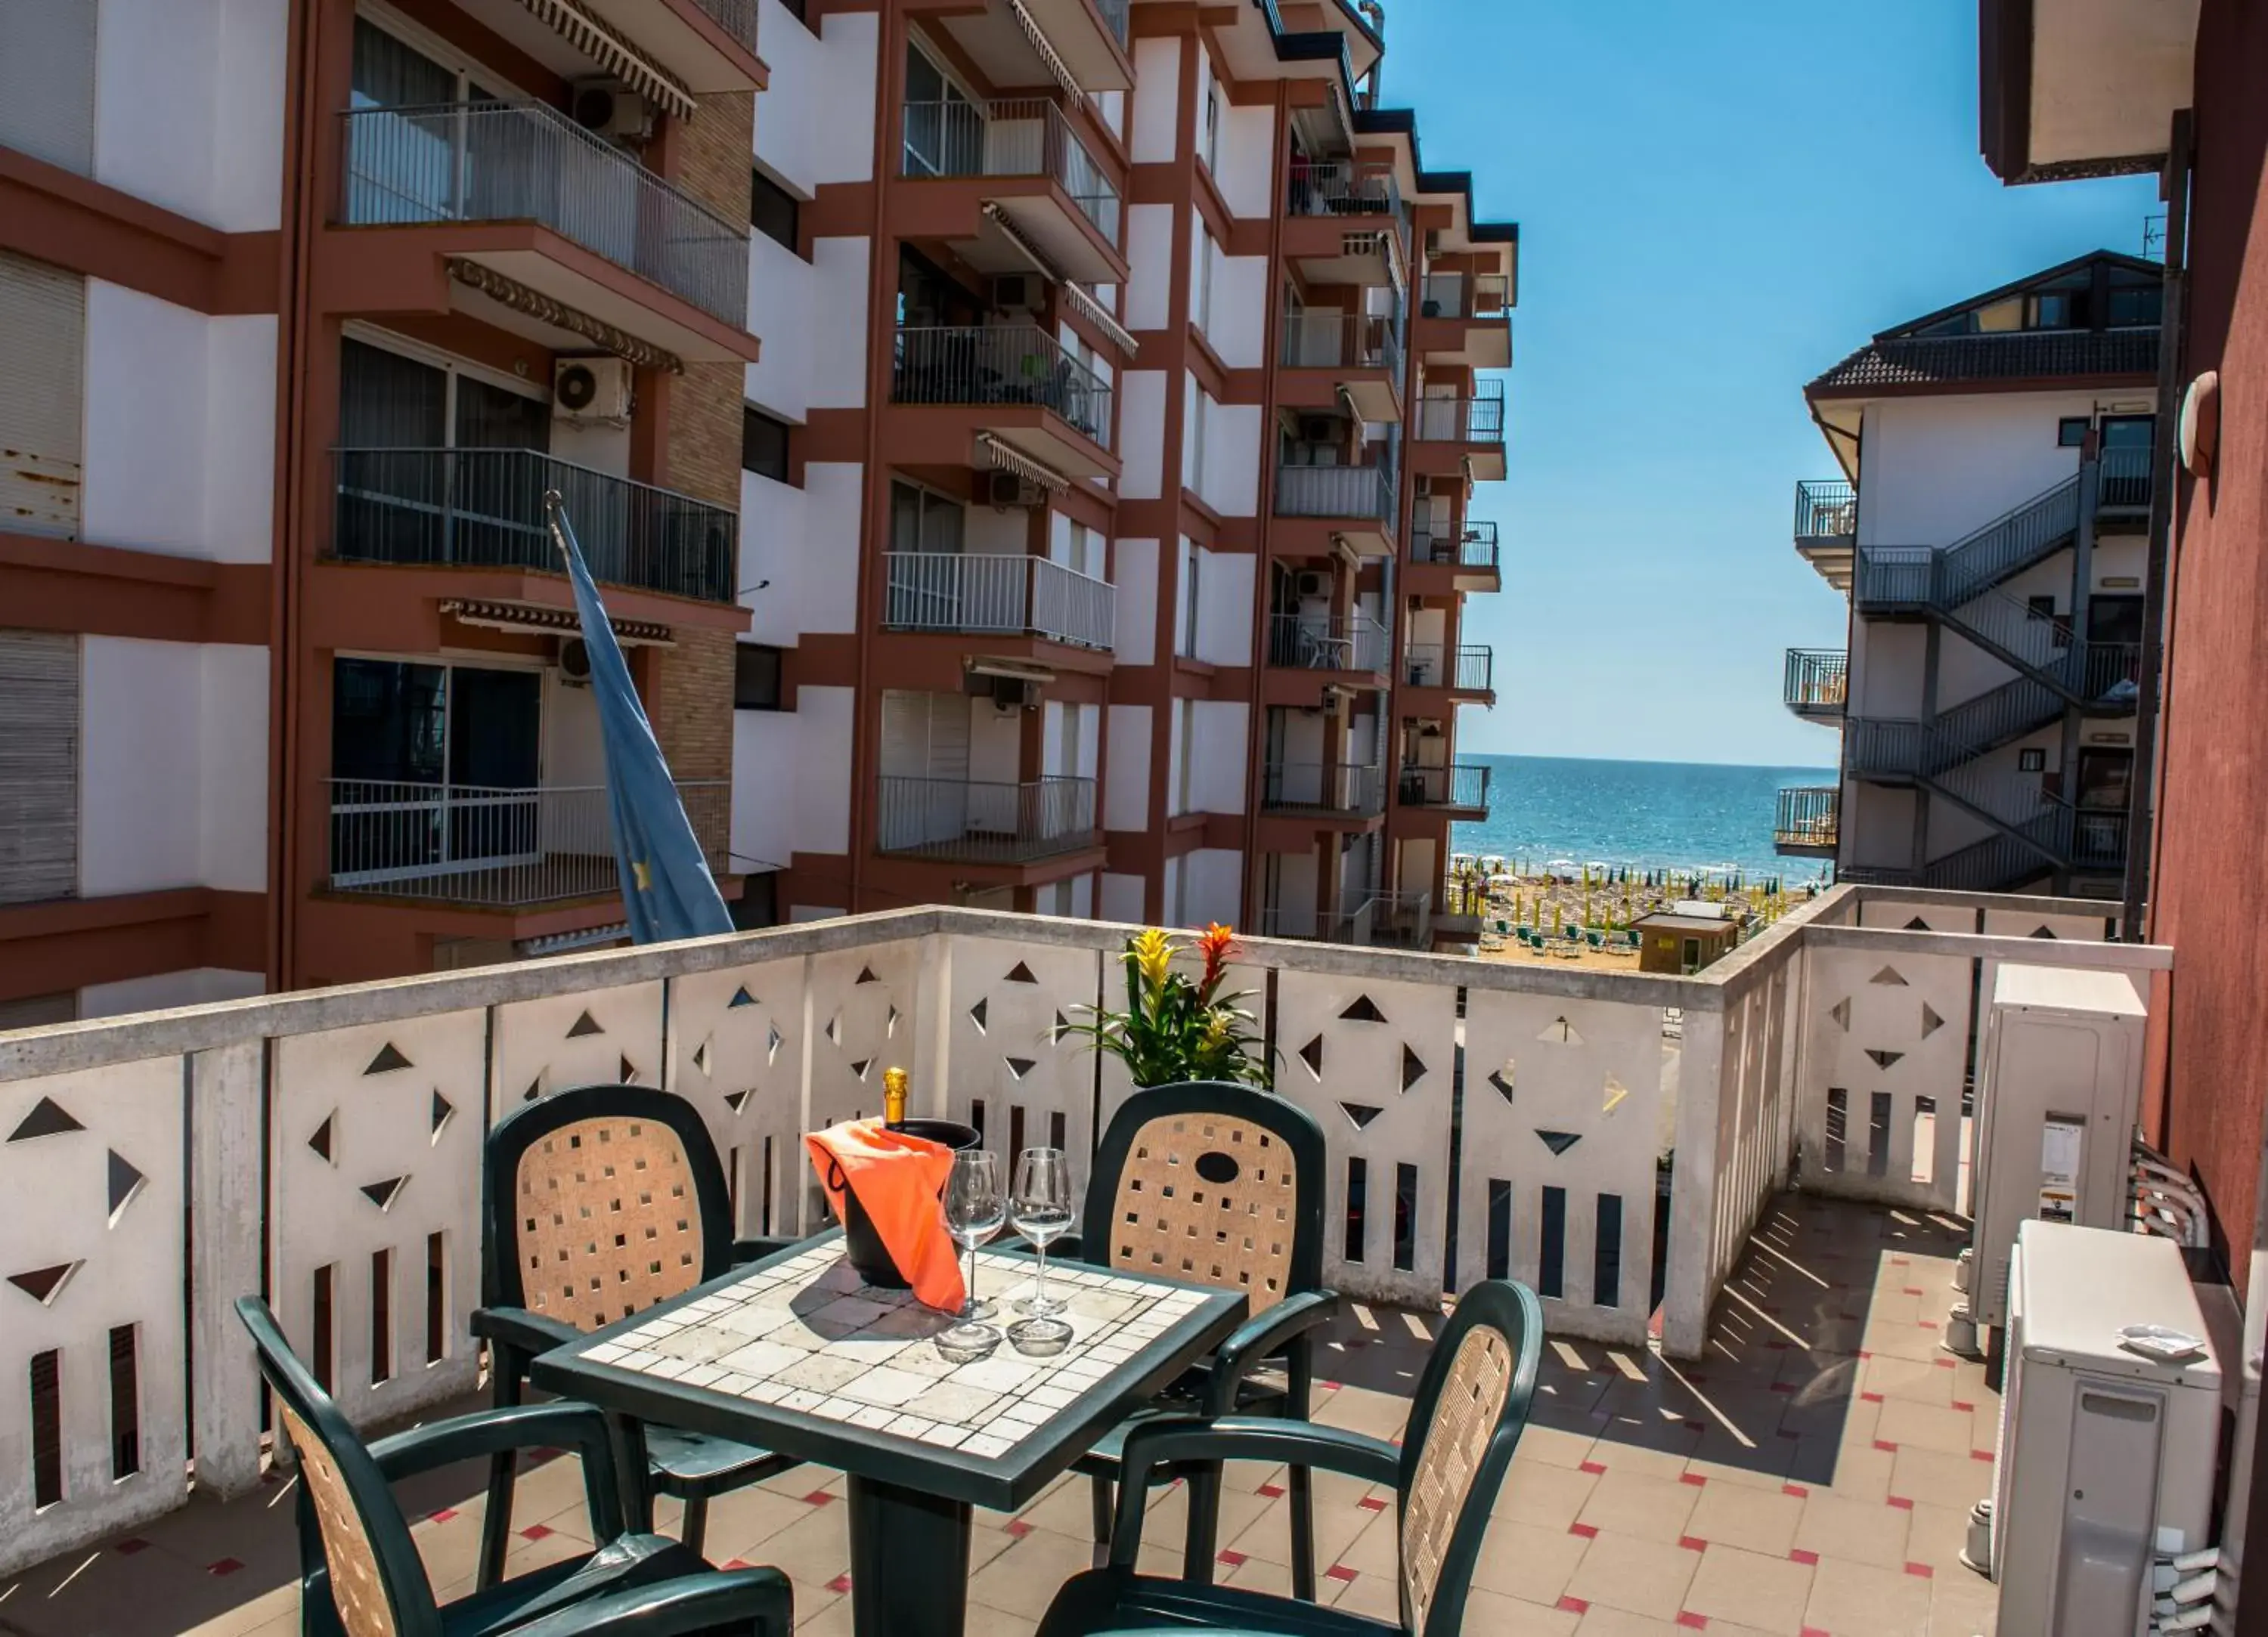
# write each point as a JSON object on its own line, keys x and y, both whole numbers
{"x": 43, "y": 338}
{"x": 46, "y": 80}
{"x": 39, "y": 766}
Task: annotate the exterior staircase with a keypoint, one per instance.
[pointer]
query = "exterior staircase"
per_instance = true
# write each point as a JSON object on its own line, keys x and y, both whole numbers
{"x": 1960, "y": 588}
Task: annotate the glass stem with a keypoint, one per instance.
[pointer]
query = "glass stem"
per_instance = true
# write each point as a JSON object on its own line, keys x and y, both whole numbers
{"x": 1040, "y": 1301}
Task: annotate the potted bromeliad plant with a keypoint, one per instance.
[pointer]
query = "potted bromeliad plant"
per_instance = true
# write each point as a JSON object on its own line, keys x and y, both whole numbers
{"x": 1174, "y": 1026}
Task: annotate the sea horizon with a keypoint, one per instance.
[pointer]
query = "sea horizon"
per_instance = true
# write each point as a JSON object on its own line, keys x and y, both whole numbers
{"x": 1689, "y": 815}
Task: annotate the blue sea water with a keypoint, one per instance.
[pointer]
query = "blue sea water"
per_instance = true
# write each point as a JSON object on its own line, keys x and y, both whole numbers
{"x": 1652, "y": 814}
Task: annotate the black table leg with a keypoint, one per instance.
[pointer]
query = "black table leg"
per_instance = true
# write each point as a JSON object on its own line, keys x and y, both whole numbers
{"x": 909, "y": 1561}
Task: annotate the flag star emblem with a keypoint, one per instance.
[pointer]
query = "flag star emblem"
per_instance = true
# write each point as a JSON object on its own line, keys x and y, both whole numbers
{"x": 643, "y": 875}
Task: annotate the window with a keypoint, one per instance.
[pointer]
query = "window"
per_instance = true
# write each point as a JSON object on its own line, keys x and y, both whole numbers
{"x": 39, "y": 769}
{"x": 2071, "y": 431}
{"x": 922, "y": 520}
{"x": 2039, "y": 607}
{"x": 945, "y": 129}
{"x": 1212, "y": 128}
{"x": 775, "y": 212}
{"x": 758, "y": 904}
{"x": 2032, "y": 761}
{"x": 1185, "y": 737}
{"x": 1192, "y": 581}
{"x": 2136, "y": 304}
{"x": 756, "y": 677}
{"x": 763, "y": 446}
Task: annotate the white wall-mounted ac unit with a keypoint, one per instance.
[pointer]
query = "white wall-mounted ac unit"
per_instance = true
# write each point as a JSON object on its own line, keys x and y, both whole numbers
{"x": 1311, "y": 583}
{"x": 586, "y": 389}
{"x": 611, "y": 109}
{"x": 1006, "y": 489}
{"x": 2100, "y": 1446}
{"x": 574, "y": 662}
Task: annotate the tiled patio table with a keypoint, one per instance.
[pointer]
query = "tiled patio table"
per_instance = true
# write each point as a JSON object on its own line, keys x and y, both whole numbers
{"x": 796, "y": 1354}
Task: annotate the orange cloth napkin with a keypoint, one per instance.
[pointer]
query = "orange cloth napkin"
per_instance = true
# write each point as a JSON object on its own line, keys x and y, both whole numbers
{"x": 897, "y": 1178}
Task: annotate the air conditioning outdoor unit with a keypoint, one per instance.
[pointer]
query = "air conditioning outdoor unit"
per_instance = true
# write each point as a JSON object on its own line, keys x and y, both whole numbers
{"x": 1006, "y": 489}
{"x": 2100, "y": 1445}
{"x": 1311, "y": 583}
{"x": 611, "y": 109}
{"x": 1020, "y": 292}
{"x": 592, "y": 390}
{"x": 1317, "y": 429}
{"x": 574, "y": 662}
{"x": 1015, "y": 693}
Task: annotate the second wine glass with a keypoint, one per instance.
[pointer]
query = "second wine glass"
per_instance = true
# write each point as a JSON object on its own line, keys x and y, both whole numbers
{"x": 1039, "y": 1208}
{"x": 975, "y": 1208}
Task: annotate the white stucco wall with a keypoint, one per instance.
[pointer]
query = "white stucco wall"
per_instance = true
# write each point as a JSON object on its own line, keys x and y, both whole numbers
{"x": 1141, "y": 434}
{"x": 1231, "y": 478}
{"x": 188, "y": 107}
{"x": 1150, "y": 264}
{"x": 1134, "y": 571}
{"x": 1239, "y": 320}
{"x": 1126, "y": 776}
{"x": 1120, "y": 898}
{"x": 1157, "y": 99}
{"x": 805, "y": 542}
{"x": 1225, "y": 615}
{"x": 1935, "y": 469}
{"x": 1248, "y": 142}
{"x": 197, "y": 986}
{"x": 1218, "y": 757}
{"x": 837, "y": 321}
{"x": 783, "y": 305}
{"x": 821, "y": 808}
{"x": 1212, "y": 886}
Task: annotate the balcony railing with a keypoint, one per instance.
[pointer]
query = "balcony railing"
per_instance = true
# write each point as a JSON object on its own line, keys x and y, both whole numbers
{"x": 1464, "y": 296}
{"x": 1025, "y": 136}
{"x": 1363, "y": 491}
{"x": 1113, "y": 16}
{"x": 927, "y": 591}
{"x": 1808, "y": 816}
{"x": 483, "y": 507}
{"x": 1826, "y": 510}
{"x": 999, "y": 365}
{"x": 1314, "y": 787}
{"x": 1457, "y": 784}
{"x": 227, "y": 1111}
{"x": 527, "y": 162}
{"x": 1336, "y": 187}
{"x": 975, "y": 821}
{"x": 1478, "y": 420}
{"x": 736, "y": 17}
{"x": 1468, "y": 669}
{"x": 1473, "y": 547}
{"x": 2125, "y": 480}
{"x": 1342, "y": 341}
{"x": 498, "y": 848}
{"x": 1816, "y": 681}
{"x": 1315, "y": 643}
{"x": 1379, "y": 920}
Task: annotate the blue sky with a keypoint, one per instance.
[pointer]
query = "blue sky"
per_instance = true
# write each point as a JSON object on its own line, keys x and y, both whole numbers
{"x": 1716, "y": 203}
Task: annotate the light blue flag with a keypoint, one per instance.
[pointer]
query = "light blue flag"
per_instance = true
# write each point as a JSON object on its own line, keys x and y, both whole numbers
{"x": 666, "y": 886}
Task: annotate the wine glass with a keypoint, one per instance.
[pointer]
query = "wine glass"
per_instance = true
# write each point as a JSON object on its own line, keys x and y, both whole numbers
{"x": 1040, "y": 1210}
{"x": 975, "y": 1208}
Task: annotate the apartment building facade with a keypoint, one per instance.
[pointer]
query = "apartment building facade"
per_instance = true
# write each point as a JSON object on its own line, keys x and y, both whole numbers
{"x": 1121, "y": 403}
{"x": 304, "y": 306}
{"x": 1988, "y": 527}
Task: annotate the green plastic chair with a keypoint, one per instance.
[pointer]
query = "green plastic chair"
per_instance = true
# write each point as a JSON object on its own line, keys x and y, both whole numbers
{"x": 1470, "y": 1407}
{"x": 543, "y": 1284}
{"x": 1173, "y": 1157}
{"x": 359, "y": 1571}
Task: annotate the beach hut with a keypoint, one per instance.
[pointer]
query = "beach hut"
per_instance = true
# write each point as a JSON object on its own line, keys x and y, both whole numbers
{"x": 1686, "y": 937}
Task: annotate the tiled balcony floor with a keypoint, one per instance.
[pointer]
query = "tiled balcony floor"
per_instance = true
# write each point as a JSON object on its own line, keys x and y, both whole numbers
{"x": 1814, "y": 1475}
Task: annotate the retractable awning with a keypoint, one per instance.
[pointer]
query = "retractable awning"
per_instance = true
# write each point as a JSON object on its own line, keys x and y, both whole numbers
{"x": 595, "y": 41}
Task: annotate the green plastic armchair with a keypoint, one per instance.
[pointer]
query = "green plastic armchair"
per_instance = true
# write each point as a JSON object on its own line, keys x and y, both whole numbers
{"x": 1470, "y": 1407}
{"x": 360, "y": 1573}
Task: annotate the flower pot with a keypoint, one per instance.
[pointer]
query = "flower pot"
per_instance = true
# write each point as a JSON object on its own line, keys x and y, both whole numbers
{"x": 862, "y": 1246}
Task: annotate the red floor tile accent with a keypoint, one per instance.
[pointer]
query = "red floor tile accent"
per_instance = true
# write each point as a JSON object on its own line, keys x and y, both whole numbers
{"x": 1372, "y": 1503}
{"x": 1698, "y": 1622}
{"x": 841, "y": 1583}
{"x": 1958, "y": 1405}
{"x": 1901, "y": 1502}
{"x": 1574, "y": 1605}
{"x": 1593, "y": 1467}
{"x": 1863, "y": 1353}
{"x": 443, "y": 1516}
{"x": 1871, "y": 1398}
{"x": 535, "y": 1531}
{"x": 1799, "y": 1555}
{"x": 1329, "y": 1386}
{"x": 818, "y": 1497}
{"x": 739, "y": 1563}
{"x": 1692, "y": 1542}
{"x": 1945, "y": 1363}
{"x": 1274, "y": 1492}
{"x": 1814, "y": 1631}
{"x": 1233, "y": 1560}
{"x": 1017, "y": 1528}
{"x": 1589, "y": 1531}
{"x": 131, "y": 1544}
{"x": 1928, "y": 1324}
{"x": 1797, "y": 1490}
{"x": 1980, "y": 1454}
{"x": 1886, "y": 1446}
{"x": 224, "y": 1568}
{"x": 1922, "y": 1569}
{"x": 1694, "y": 1479}
{"x": 1339, "y": 1571}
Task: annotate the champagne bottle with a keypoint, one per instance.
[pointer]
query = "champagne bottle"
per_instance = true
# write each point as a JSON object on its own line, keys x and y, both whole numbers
{"x": 894, "y": 1098}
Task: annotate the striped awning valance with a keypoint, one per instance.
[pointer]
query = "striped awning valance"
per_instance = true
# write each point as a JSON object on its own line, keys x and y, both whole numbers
{"x": 1054, "y": 65}
{"x": 1008, "y": 458}
{"x": 595, "y": 41}
{"x": 532, "y": 618}
{"x": 1095, "y": 314}
{"x": 520, "y": 298}
{"x": 999, "y": 217}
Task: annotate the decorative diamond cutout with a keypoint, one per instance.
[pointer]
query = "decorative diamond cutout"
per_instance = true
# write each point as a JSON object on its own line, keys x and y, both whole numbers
{"x": 1917, "y": 925}
{"x": 1559, "y": 1032}
{"x": 1889, "y": 974}
{"x": 1502, "y": 1079}
{"x": 442, "y": 1110}
{"x": 979, "y": 1012}
{"x": 1020, "y": 973}
{"x": 627, "y": 1069}
{"x": 1062, "y": 1028}
{"x": 1021, "y": 1066}
{"x": 1931, "y": 1023}
{"x": 772, "y": 1044}
{"x": 740, "y": 997}
{"x": 834, "y": 1030}
{"x": 1312, "y": 1056}
{"x": 321, "y": 1142}
{"x": 43, "y": 1285}
{"x": 389, "y": 1057}
{"x": 860, "y": 1067}
{"x": 1616, "y": 1092}
{"x": 583, "y": 1025}
{"x": 701, "y": 1057}
{"x": 1413, "y": 1068}
{"x": 1559, "y": 1142}
{"x": 1841, "y": 1013}
{"x": 383, "y": 1194}
{"x": 1363, "y": 1009}
{"x": 46, "y": 1120}
{"x": 1884, "y": 1060}
{"x": 535, "y": 1090}
{"x": 125, "y": 1183}
{"x": 890, "y": 1025}
{"x": 736, "y": 1100}
{"x": 865, "y": 975}
{"x": 1361, "y": 1113}
{"x": 2040, "y": 931}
